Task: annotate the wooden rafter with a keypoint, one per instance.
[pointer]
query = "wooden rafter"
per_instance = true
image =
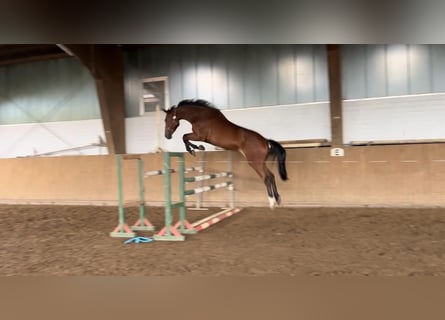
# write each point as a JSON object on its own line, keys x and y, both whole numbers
{"x": 335, "y": 93}
{"x": 105, "y": 63}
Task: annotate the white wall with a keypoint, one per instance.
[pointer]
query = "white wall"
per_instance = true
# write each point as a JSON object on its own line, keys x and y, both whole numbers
{"x": 394, "y": 118}
{"x": 146, "y": 134}
{"x": 389, "y": 118}
{"x": 289, "y": 122}
{"x": 23, "y": 140}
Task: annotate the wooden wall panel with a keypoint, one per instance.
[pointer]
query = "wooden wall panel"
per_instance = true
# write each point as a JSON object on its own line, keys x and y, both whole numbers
{"x": 405, "y": 175}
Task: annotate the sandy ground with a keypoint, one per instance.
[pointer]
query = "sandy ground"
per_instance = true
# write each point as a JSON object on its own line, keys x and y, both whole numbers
{"x": 74, "y": 240}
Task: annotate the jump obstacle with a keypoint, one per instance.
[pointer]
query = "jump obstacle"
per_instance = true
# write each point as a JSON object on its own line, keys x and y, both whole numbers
{"x": 172, "y": 232}
{"x": 142, "y": 224}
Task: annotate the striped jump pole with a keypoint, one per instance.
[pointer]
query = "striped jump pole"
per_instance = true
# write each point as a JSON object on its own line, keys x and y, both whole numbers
{"x": 208, "y": 188}
{"x": 185, "y": 226}
{"x": 208, "y": 176}
{"x": 214, "y": 218}
{"x": 175, "y": 232}
{"x": 161, "y": 172}
{"x": 191, "y": 228}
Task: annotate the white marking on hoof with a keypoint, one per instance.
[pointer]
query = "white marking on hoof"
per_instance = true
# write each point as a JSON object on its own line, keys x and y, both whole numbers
{"x": 272, "y": 202}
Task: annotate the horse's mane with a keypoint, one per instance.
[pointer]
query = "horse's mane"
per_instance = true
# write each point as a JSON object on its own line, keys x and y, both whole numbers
{"x": 197, "y": 102}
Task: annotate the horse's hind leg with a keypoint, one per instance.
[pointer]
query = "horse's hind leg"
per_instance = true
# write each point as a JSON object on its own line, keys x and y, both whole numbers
{"x": 272, "y": 192}
{"x": 269, "y": 180}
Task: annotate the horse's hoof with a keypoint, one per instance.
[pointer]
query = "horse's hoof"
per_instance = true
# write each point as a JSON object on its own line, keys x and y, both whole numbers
{"x": 201, "y": 147}
{"x": 192, "y": 152}
{"x": 271, "y": 203}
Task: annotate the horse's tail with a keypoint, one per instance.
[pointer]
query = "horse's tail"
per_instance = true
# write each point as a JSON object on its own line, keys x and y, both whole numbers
{"x": 277, "y": 151}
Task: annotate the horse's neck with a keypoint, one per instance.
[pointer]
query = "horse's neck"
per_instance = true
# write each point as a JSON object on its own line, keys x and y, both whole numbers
{"x": 191, "y": 113}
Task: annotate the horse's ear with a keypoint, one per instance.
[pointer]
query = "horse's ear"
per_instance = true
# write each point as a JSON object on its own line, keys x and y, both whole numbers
{"x": 168, "y": 109}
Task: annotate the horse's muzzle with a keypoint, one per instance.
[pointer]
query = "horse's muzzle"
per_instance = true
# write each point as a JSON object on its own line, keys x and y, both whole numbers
{"x": 168, "y": 135}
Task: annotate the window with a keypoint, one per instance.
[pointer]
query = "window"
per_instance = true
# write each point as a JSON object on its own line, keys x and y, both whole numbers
{"x": 154, "y": 94}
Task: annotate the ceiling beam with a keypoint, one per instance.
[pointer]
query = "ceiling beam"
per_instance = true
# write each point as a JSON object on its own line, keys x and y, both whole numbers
{"x": 49, "y": 56}
{"x": 106, "y": 64}
{"x": 17, "y": 54}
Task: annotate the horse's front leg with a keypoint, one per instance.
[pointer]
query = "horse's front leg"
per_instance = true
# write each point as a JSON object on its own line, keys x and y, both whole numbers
{"x": 191, "y": 146}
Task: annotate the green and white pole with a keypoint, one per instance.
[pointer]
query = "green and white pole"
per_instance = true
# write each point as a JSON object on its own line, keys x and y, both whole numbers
{"x": 169, "y": 232}
{"x": 142, "y": 224}
{"x": 122, "y": 229}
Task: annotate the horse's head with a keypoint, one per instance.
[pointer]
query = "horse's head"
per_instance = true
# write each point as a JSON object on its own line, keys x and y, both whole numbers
{"x": 171, "y": 122}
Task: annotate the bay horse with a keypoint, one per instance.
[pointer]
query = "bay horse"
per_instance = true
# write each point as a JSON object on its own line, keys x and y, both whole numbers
{"x": 211, "y": 126}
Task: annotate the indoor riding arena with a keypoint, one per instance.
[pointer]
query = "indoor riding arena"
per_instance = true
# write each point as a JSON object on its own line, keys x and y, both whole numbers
{"x": 91, "y": 185}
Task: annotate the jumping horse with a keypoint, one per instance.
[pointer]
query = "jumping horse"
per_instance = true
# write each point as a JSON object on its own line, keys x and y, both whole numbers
{"x": 211, "y": 126}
